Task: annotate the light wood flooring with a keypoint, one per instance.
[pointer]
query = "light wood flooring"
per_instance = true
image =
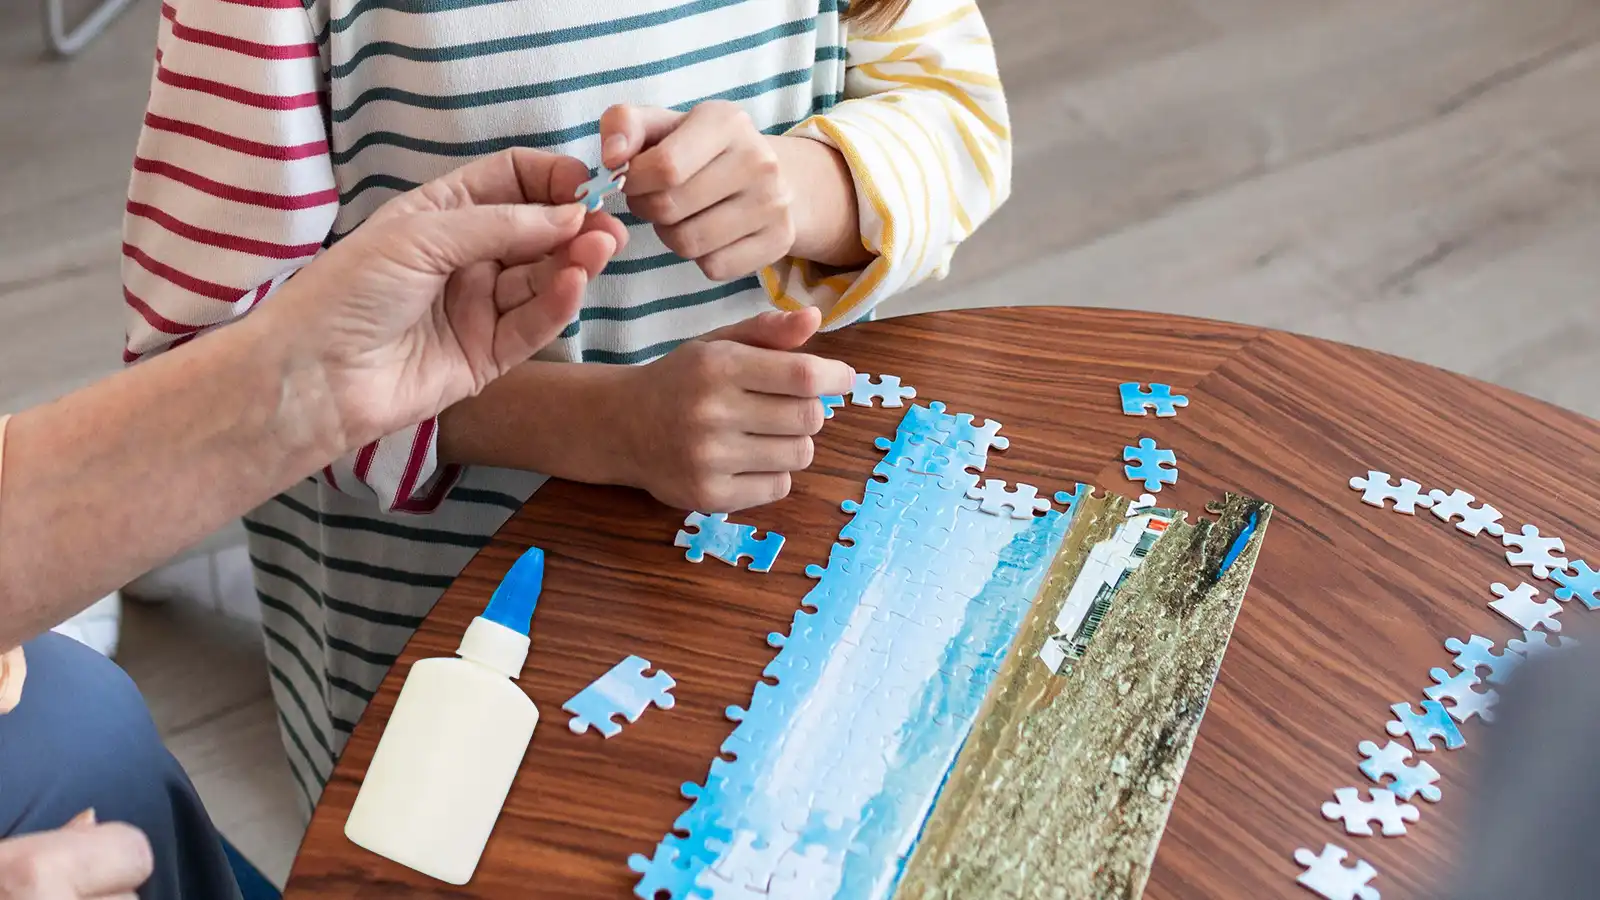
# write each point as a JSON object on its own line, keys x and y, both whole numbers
{"x": 1416, "y": 176}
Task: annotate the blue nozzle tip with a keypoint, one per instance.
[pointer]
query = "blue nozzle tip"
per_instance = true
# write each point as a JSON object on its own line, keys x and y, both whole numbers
{"x": 513, "y": 601}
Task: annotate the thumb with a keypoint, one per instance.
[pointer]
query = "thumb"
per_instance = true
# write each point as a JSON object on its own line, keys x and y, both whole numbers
{"x": 773, "y": 330}
{"x": 511, "y": 234}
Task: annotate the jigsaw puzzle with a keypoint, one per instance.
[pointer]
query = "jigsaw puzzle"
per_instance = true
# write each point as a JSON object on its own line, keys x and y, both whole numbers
{"x": 728, "y": 541}
{"x": 1534, "y": 644}
{"x": 1328, "y": 877}
{"x": 1136, "y": 401}
{"x": 1149, "y": 462}
{"x": 1021, "y": 502}
{"x": 1433, "y": 722}
{"x": 624, "y": 691}
{"x": 1407, "y": 780}
{"x": 1358, "y": 814}
{"x": 1377, "y": 490}
{"x": 1524, "y": 608}
{"x": 1535, "y": 551}
{"x": 831, "y": 402}
{"x": 1578, "y": 582}
{"x": 887, "y": 390}
{"x": 1478, "y": 653}
{"x": 605, "y": 182}
{"x": 1473, "y": 519}
{"x": 1459, "y": 689}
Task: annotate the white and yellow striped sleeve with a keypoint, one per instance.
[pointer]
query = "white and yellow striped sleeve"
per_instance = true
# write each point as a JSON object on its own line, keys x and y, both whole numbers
{"x": 925, "y": 132}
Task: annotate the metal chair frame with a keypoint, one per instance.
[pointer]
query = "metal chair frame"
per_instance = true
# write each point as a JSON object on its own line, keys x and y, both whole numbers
{"x": 67, "y": 42}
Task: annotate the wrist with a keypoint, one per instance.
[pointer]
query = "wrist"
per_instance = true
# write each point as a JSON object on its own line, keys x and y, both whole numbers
{"x": 825, "y": 215}
{"x": 299, "y": 413}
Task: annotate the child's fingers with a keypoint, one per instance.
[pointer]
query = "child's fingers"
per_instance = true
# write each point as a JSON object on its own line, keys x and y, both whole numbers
{"x": 781, "y": 416}
{"x": 788, "y": 374}
{"x": 748, "y": 254}
{"x": 627, "y": 129}
{"x": 774, "y": 329}
{"x": 754, "y": 489}
{"x": 757, "y": 453}
{"x": 722, "y": 178}
{"x": 703, "y": 134}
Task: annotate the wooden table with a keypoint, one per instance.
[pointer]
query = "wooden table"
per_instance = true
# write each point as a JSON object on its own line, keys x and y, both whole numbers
{"x": 1346, "y": 614}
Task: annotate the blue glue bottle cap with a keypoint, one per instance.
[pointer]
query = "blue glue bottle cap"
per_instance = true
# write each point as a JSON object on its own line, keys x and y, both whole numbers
{"x": 513, "y": 601}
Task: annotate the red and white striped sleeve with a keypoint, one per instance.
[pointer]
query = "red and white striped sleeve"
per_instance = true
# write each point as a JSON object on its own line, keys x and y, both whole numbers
{"x": 232, "y": 191}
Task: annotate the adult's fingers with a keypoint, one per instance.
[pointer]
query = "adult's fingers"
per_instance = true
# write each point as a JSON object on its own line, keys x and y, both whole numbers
{"x": 774, "y": 329}
{"x": 788, "y": 373}
{"x": 517, "y": 175}
{"x": 701, "y": 137}
{"x": 108, "y": 859}
{"x": 626, "y": 129}
{"x": 535, "y": 312}
{"x": 511, "y": 234}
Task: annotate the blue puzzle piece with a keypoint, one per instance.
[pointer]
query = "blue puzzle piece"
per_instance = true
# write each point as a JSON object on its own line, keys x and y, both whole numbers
{"x": 624, "y": 691}
{"x": 1070, "y": 499}
{"x": 663, "y": 874}
{"x": 605, "y": 182}
{"x": 1409, "y": 779}
{"x": 728, "y": 541}
{"x": 1478, "y": 652}
{"x": 1434, "y": 722}
{"x": 1579, "y": 582}
{"x": 887, "y": 390}
{"x": 830, "y": 402}
{"x": 1136, "y": 401}
{"x": 1149, "y": 461}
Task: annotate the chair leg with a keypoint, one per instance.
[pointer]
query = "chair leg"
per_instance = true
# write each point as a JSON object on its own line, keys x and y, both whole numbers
{"x": 67, "y": 42}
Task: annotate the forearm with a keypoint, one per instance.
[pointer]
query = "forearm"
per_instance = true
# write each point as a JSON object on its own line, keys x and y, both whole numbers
{"x": 103, "y": 484}
{"x": 825, "y": 212}
{"x": 552, "y": 417}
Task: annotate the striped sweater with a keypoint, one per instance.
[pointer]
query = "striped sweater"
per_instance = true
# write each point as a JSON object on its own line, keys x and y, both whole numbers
{"x": 276, "y": 126}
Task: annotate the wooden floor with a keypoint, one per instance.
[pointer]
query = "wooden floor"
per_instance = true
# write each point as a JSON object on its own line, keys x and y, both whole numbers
{"x": 1416, "y": 176}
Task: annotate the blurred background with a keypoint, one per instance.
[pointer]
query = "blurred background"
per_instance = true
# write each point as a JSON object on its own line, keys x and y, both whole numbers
{"x": 1420, "y": 177}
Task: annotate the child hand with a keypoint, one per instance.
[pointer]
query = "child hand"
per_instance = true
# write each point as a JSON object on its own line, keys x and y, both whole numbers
{"x": 708, "y": 180}
{"x": 719, "y": 423}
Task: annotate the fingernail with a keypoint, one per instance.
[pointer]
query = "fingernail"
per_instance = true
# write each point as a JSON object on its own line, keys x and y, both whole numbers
{"x": 83, "y": 819}
{"x": 614, "y": 147}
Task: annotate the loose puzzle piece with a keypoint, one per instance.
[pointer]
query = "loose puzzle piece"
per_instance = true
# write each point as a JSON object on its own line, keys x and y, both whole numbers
{"x": 1328, "y": 877}
{"x": 624, "y": 691}
{"x": 1580, "y": 582}
{"x": 728, "y": 541}
{"x": 1376, "y": 489}
{"x": 1023, "y": 501}
{"x": 1474, "y": 520}
{"x": 1478, "y": 653}
{"x": 1434, "y": 722}
{"x": 663, "y": 875}
{"x": 1524, "y": 608}
{"x": 886, "y": 389}
{"x": 831, "y": 402}
{"x": 1136, "y": 401}
{"x": 593, "y": 193}
{"x": 1150, "y": 461}
{"x": 1358, "y": 815}
{"x": 1535, "y": 551}
{"x": 1410, "y": 780}
{"x": 1458, "y": 689}
{"x": 1534, "y": 644}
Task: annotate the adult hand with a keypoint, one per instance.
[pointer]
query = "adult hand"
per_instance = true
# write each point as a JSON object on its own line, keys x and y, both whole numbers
{"x": 444, "y": 289}
{"x": 719, "y": 423}
{"x": 709, "y": 181}
{"x": 83, "y": 861}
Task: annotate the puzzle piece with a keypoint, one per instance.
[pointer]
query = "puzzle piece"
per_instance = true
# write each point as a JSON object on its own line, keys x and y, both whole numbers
{"x": 1136, "y": 401}
{"x": 1410, "y": 780}
{"x": 1524, "y": 608}
{"x": 728, "y": 541}
{"x": 1434, "y": 722}
{"x": 1458, "y": 688}
{"x": 749, "y": 861}
{"x": 1023, "y": 501}
{"x": 1145, "y": 502}
{"x": 1328, "y": 877}
{"x": 624, "y": 691}
{"x": 886, "y": 389}
{"x": 1535, "y": 551}
{"x": 662, "y": 874}
{"x": 1358, "y": 815}
{"x": 1474, "y": 520}
{"x": 1150, "y": 461}
{"x": 1376, "y": 489}
{"x": 1478, "y": 653}
{"x": 803, "y": 876}
{"x": 593, "y": 193}
{"x": 831, "y": 402}
{"x": 1534, "y": 644}
{"x": 1579, "y": 582}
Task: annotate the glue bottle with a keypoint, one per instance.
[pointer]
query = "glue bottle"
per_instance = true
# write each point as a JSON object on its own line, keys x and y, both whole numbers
{"x": 454, "y": 742}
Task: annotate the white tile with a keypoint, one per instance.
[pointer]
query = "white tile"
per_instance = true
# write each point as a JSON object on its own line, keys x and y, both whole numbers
{"x": 236, "y": 590}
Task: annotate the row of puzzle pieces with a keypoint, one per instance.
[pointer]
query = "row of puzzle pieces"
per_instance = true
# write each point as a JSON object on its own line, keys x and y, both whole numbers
{"x": 1453, "y": 697}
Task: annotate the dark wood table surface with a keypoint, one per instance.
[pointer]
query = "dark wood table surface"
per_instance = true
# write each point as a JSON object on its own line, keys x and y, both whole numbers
{"x": 1346, "y": 615}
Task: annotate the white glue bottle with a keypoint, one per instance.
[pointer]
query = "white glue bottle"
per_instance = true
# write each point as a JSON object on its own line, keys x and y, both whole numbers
{"x": 454, "y": 742}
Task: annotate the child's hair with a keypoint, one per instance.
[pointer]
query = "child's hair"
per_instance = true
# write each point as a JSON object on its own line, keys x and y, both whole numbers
{"x": 874, "y": 15}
